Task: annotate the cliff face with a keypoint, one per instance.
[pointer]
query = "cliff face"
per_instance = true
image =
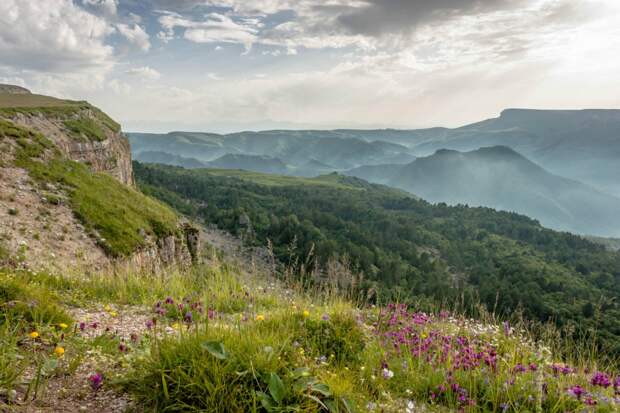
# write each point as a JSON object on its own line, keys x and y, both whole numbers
{"x": 83, "y": 135}
{"x": 55, "y": 214}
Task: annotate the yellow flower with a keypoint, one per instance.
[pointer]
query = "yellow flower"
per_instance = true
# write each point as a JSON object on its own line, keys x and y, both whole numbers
{"x": 260, "y": 317}
{"x": 63, "y": 325}
{"x": 34, "y": 334}
{"x": 306, "y": 313}
{"x": 113, "y": 313}
{"x": 107, "y": 307}
{"x": 424, "y": 335}
{"x": 176, "y": 326}
{"x": 59, "y": 351}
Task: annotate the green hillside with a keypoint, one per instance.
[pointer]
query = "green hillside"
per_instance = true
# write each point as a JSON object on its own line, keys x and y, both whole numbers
{"x": 408, "y": 250}
{"x": 112, "y": 212}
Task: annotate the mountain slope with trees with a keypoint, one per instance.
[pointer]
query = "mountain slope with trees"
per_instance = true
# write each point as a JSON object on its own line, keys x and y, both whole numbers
{"x": 408, "y": 249}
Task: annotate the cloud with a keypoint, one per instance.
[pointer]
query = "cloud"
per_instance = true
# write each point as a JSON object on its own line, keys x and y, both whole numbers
{"x": 381, "y": 17}
{"x": 144, "y": 72}
{"x": 107, "y": 7}
{"x": 52, "y": 36}
{"x": 135, "y": 35}
{"x": 215, "y": 28}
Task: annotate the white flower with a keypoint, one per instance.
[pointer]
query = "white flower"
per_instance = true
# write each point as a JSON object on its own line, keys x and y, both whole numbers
{"x": 388, "y": 374}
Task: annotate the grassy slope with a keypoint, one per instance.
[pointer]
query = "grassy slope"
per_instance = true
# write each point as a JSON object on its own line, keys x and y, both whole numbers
{"x": 252, "y": 344}
{"x": 115, "y": 211}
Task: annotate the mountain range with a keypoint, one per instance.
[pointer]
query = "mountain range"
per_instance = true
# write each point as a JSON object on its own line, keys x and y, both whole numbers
{"x": 558, "y": 166}
{"x": 501, "y": 178}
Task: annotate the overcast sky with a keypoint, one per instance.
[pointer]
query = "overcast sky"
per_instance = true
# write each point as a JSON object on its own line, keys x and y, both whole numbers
{"x": 227, "y": 65}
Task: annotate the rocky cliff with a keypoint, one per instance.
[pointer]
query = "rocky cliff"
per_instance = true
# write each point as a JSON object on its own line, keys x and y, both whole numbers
{"x": 58, "y": 208}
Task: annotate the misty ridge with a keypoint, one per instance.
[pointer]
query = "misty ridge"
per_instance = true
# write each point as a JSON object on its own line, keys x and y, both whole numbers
{"x": 560, "y": 167}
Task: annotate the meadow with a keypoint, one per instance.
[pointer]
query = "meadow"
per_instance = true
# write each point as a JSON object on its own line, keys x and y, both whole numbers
{"x": 221, "y": 338}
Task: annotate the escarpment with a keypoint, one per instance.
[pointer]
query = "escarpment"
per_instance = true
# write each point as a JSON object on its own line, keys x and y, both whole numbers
{"x": 67, "y": 195}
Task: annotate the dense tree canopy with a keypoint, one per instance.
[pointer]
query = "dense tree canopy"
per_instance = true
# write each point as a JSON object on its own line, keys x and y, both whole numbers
{"x": 407, "y": 248}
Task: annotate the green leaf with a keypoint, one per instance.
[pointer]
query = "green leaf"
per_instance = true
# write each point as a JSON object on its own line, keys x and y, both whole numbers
{"x": 216, "y": 348}
{"x": 265, "y": 400}
{"x": 321, "y": 388}
{"x": 301, "y": 372}
{"x": 346, "y": 404}
{"x": 332, "y": 406}
{"x": 276, "y": 388}
{"x": 317, "y": 400}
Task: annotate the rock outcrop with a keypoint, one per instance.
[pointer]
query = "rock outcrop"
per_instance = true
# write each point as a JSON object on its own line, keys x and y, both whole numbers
{"x": 14, "y": 90}
{"x": 111, "y": 154}
{"x": 29, "y": 235}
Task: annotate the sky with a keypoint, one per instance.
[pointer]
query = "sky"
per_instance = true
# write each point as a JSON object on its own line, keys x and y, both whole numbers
{"x": 230, "y": 65}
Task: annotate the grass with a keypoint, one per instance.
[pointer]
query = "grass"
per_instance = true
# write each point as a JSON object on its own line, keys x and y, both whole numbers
{"x": 332, "y": 180}
{"x": 120, "y": 216}
{"x": 88, "y": 129}
{"x": 30, "y": 104}
{"x": 224, "y": 341}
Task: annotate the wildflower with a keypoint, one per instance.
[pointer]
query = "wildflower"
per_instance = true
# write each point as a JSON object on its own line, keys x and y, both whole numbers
{"x": 34, "y": 334}
{"x": 507, "y": 329}
{"x": 169, "y": 300}
{"x": 325, "y": 317}
{"x": 371, "y": 406}
{"x": 107, "y": 308}
{"x": 260, "y": 317}
{"x": 113, "y": 313}
{"x": 122, "y": 348}
{"x": 82, "y": 326}
{"x": 306, "y": 313}
{"x": 96, "y": 380}
{"x": 63, "y": 326}
{"x": 590, "y": 401}
{"x": 410, "y": 407}
{"x": 94, "y": 325}
{"x": 577, "y": 391}
{"x": 59, "y": 351}
{"x": 176, "y": 326}
{"x": 149, "y": 324}
{"x": 600, "y": 379}
{"x": 188, "y": 317}
{"x": 387, "y": 373}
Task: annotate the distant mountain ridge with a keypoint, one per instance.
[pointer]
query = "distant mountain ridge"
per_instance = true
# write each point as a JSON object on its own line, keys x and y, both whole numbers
{"x": 501, "y": 178}
{"x": 296, "y": 150}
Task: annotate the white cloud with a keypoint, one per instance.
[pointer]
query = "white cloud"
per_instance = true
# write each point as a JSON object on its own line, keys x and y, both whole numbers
{"x": 52, "y": 36}
{"x": 144, "y": 72}
{"x": 135, "y": 35}
{"x": 107, "y": 7}
{"x": 215, "y": 28}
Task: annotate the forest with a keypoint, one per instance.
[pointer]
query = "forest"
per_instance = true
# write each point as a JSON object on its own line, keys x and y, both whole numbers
{"x": 407, "y": 249}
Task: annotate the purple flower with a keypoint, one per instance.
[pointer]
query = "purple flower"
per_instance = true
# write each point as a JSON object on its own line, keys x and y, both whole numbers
{"x": 96, "y": 380}
{"x": 122, "y": 348}
{"x": 188, "y": 317}
{"x": 590, "y": 401}
{"x": 519, "y": 368}
{"x": 82, "y": 326}
{"x": 325, "y": 317}
{"x": 577, "y": 391}
{"x": 600, "y": 379}
{"x": 169, "y": 300}
{"x": 506, "y": 328}
{"x": 149, "y": 324}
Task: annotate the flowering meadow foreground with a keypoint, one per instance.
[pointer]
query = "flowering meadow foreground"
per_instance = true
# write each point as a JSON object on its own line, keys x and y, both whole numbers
{"x": 217, "y": 339}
